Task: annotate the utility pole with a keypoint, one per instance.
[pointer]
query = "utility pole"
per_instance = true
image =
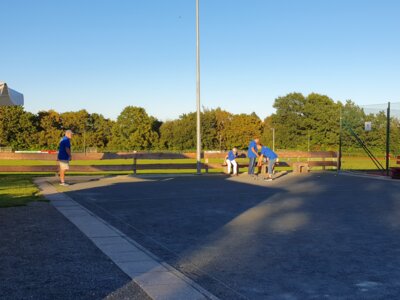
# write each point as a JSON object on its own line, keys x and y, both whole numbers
{"x": 198, "y": 128}
{"x": 339, "y": 161}
{"x": 388, "y": 139}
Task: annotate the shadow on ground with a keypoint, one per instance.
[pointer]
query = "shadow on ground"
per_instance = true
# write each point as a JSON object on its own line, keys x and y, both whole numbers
{"x": 312, "y": 236}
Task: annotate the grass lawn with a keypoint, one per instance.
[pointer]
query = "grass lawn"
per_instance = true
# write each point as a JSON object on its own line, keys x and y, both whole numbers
{"x": 348, "y": 163}
{"x": 18, "y": 190}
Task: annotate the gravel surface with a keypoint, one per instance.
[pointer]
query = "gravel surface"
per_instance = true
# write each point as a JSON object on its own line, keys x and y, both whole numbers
{"x": 44, "y": 256}
{"x": 316, "y": 236}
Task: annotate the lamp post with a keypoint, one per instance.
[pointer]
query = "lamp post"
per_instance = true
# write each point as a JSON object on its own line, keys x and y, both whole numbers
{"x": 198, "y": 153}
{"x": 273, "y": 139}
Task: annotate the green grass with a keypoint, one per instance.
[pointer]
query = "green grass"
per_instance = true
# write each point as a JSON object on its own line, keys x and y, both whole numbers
{"x": 18, "y": 190}
{"x": 348, "y": 163}
{"x": 362, "y": 163}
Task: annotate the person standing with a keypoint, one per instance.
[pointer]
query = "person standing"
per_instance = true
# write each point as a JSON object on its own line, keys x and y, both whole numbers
{"x": 230, "y": 160}
{"x": 252, "y": 154}
{"x": 64, "y": 156}
{"x": 272, "y": 158}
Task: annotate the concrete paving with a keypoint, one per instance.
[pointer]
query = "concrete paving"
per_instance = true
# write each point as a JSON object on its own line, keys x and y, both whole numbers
{"x": 315, "y": 236}
{"x": 157, "y": 279}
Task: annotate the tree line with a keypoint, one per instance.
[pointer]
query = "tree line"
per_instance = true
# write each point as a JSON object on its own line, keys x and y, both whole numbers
{"x": 299, "y": 122}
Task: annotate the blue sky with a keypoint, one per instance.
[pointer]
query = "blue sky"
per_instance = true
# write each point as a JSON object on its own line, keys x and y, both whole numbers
{"x": 104, "y": 55}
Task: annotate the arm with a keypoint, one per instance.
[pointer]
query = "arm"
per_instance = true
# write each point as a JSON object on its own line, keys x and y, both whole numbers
{"x": 255, "y": 152}
{"x": 68, "y": 150}
{"x": 260, "y": 159}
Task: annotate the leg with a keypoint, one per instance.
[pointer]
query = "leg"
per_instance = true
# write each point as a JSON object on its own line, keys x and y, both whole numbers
{"x": 271, "y": 164}
{"x": 64, "y": 166}
{"x": 251, "y": 165}
{"x": 228, "y": 162}
{"x": 234, "y": 163}
{"x": 62, "y": 175}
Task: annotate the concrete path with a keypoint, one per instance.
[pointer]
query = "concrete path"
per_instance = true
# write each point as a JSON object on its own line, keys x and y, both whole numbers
{"x": 158, "y": 279}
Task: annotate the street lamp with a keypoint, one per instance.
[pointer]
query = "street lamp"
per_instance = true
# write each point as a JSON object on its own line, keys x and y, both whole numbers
{"x": 198, "y": 153}
{"x": 273, "y": 139}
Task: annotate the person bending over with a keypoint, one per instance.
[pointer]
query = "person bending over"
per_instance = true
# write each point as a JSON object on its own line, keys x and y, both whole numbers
{"x": 271, "y": 157}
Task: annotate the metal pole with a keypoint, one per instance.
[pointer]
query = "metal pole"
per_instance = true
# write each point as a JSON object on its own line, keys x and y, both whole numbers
{"x": 339, "y": 165}
{"x": 273, "y": 139}
{"x": 198, "y": 154}
{"x": 84, "y": 140}
{"x": 388, "y": 140}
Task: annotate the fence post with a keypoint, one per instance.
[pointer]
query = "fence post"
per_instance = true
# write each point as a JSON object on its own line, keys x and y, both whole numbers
{"x": 388, "y": 139}
{"x": 134, "y": 165}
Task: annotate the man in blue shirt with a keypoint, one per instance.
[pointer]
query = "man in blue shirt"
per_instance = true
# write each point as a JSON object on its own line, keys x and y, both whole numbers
{"x": 64, "y": 155}
{"x": 230, "y": 160}
{"x": 252, "y": 154}
{"x": 272, "y": 158}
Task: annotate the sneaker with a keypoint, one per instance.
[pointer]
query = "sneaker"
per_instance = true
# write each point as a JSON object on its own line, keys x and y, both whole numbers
{"x": 267, "y": 179}
{"x": 64, "y": 184}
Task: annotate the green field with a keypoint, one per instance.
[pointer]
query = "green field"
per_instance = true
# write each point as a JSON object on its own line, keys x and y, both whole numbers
{"x": 18, "y": 190}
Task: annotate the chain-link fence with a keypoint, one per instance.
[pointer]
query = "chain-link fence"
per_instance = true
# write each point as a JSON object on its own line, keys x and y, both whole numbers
{"x": 370, "y": 136}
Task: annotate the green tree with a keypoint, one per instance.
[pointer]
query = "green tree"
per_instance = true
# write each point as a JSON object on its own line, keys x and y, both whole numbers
{"x": 98, "y": 131}
{"x": 289, "y": 121}
{"x": 49, "y": 128}
{"x": 17, "y": 128}
{"x": 321, "y": 121}
{"x": 242, "y": 129}
{"x": 134, "y": 130}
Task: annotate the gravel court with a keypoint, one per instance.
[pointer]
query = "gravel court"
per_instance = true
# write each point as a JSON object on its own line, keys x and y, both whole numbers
{"x": 312, "y": 236}
{"x": 44, "y": 256}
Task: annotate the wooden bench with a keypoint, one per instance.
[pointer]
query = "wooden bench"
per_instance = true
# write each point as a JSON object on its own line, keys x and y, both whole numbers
{"x": 303, "y": 161}
{"x": 395, "y": 171}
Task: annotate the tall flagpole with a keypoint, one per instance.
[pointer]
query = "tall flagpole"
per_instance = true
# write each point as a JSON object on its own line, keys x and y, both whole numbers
{"x": 198, "y": 153}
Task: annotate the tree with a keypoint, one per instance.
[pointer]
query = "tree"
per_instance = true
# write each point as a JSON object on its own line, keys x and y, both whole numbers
{"x": 49, "y": 129}
{"x": 17, "y": 128}
{"x": 98, "y": 131}
{"x": 242, "y": 129}
{"x": 289, "y": 121}
{"x": 134, "y": 130}
{"x": 321, "y": 121}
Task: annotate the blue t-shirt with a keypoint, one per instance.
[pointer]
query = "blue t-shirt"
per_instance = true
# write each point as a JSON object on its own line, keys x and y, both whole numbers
{"x": 231, "y": 155}
{"x": 252, "y": 145}
{"x": 267, "y": 152}
{"x": 62, "y": 152}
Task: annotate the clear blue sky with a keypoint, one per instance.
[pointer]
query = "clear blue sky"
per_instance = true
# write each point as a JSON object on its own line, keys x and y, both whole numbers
{"x": 104, "y": 55}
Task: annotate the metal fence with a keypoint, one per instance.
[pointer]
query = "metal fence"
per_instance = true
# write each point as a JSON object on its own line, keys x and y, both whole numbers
{"x": 369, "y": 136}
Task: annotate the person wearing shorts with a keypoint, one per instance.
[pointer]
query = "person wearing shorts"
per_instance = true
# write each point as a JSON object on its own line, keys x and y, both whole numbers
{"x": 64, "y": 155}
